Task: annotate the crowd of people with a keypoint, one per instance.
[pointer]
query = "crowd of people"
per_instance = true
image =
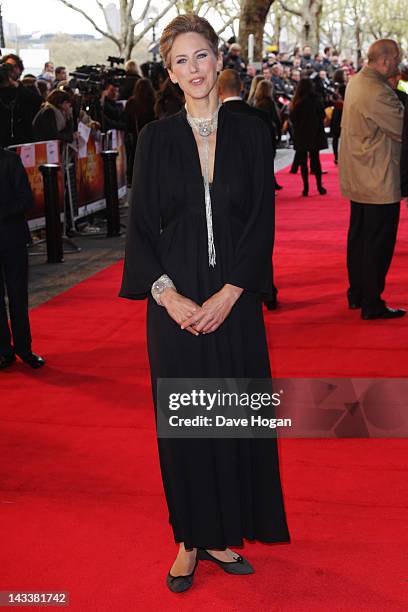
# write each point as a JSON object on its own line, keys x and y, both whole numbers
{"x": 50, "y": 105}
{"x": 300, "y": 95}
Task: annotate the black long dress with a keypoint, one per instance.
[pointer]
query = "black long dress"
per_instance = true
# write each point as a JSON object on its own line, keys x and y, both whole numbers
{"x": 218, "y": 491}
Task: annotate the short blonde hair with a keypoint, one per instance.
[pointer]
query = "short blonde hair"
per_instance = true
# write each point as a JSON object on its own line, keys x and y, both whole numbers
{"x": 182, "y": 25}
{"x": 132, "y": 67}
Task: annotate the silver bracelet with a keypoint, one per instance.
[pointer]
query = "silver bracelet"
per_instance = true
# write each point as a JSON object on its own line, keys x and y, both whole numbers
{"x": 159, "y": 286}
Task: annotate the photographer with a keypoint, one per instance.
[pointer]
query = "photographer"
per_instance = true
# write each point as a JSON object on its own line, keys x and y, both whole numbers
{"x": 16, "y": 65}
{"x": 128, "y": 84}
{"x": 112, "y": 112}
{"x": 48, "y": 73}
{"x": 18, "y": 106}
{"x": 323, "y": 88}
{"x": 278, "y": 81}
{"x": 60, "y": 76}
{"x": 234, "y": 60}
{"x": 16, "y": 199}
{"x": 54, "y": 120}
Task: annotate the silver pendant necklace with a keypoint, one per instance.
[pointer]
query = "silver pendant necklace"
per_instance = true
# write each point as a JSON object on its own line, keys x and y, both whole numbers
{"x": 205, "y": 127}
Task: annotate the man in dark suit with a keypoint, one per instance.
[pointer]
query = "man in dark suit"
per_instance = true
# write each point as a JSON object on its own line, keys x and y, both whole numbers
{"x": 16, "y": 199}
{"x": 229, "y": 88}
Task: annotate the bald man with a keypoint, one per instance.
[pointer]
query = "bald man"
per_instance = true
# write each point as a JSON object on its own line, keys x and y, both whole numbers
{"x": 369, "y": 162}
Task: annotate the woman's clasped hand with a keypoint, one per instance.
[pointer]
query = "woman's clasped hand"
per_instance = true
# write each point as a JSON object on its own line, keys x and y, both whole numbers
{"x": 198, "y": 319}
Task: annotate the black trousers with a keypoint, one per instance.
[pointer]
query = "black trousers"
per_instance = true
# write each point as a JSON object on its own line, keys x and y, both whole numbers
{"x": 370, "y": 247}
{"x": 301, "y": 157}
{"x": 336, "y": 147}
{"x": 315, "y": 165}
{"x": 14, "y": 278}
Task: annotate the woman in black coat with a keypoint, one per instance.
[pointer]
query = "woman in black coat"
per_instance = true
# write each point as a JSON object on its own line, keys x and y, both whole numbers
{"x": 307, "y": 116}
{"x": 139, "y": 111}
{"x": 54, "y": 120}
{"x": 264, "y": 100}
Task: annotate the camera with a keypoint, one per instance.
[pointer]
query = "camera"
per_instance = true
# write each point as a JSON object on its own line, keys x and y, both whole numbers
{"x": 92, "y": 79}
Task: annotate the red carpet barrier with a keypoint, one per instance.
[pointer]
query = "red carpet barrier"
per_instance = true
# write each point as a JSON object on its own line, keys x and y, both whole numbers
{"x": 82, "y": 508}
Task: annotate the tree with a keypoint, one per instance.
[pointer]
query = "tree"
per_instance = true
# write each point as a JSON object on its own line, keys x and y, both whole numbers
{"x": 310, "y": 12}
{"x": 252, "y": 21}
{"x": 228, "y": 11}
{"x": 126, "y": 40}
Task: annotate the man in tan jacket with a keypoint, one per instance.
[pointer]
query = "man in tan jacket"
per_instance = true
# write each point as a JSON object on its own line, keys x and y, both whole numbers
{"x": 371, "y": 133}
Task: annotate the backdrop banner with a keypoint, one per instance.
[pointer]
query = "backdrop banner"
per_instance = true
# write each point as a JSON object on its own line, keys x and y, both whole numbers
{"x": 88, "y": 171}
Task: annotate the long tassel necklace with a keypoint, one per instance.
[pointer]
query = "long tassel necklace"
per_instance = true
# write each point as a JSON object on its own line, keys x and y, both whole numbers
{"x": 205, "y": 127}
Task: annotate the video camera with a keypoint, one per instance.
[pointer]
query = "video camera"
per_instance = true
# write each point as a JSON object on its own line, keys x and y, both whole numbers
{"x": 92, "y": 79}
{"x": 5, "y": 74}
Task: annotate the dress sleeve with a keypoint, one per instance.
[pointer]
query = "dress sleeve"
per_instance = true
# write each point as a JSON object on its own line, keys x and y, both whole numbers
{"x": 142, "y": 266}
{"x": 252, "y": 267}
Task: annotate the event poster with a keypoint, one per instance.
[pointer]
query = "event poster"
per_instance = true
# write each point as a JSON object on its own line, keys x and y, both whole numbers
{"x": 89, "y": 170}
{"x": 33, "y": 156}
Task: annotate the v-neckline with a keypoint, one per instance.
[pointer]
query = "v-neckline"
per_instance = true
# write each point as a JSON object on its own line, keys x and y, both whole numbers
{"x": 217, "y": 145}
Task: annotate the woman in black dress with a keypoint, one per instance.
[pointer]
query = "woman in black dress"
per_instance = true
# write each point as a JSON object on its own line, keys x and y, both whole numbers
{"x": 264, "y": 100}
{"x": 307, "y": 117}
{"x": 139, "y": 111}
{"x": 199, "y": 248}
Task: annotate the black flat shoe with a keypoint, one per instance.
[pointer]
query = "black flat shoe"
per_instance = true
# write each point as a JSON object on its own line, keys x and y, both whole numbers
{"x": 6, "y": 361}
{"x": 322, "y": 190}
{"x": 386, "y": 313}
{"x": 179, "y": 584}
{"x": 238, "y": 567}
{"x": 305, "y": 193}
{"x": 33, "y": 360}
{"x": 278, "y": 187}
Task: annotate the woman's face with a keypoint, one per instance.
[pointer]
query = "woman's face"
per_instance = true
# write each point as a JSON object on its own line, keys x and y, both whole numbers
{"x": 193, "y": 65}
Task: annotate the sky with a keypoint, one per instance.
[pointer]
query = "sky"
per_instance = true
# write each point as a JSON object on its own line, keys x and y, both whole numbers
{"x": 47, "y": 16}
{"x": 50, "y": 16}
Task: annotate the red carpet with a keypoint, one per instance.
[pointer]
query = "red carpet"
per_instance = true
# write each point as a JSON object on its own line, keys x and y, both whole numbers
{"x": 82, "y": 508}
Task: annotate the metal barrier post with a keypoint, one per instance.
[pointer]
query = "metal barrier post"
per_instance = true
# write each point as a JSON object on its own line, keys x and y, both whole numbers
{"x": 111, "y": 192}
{"x": 53, "y": 230}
